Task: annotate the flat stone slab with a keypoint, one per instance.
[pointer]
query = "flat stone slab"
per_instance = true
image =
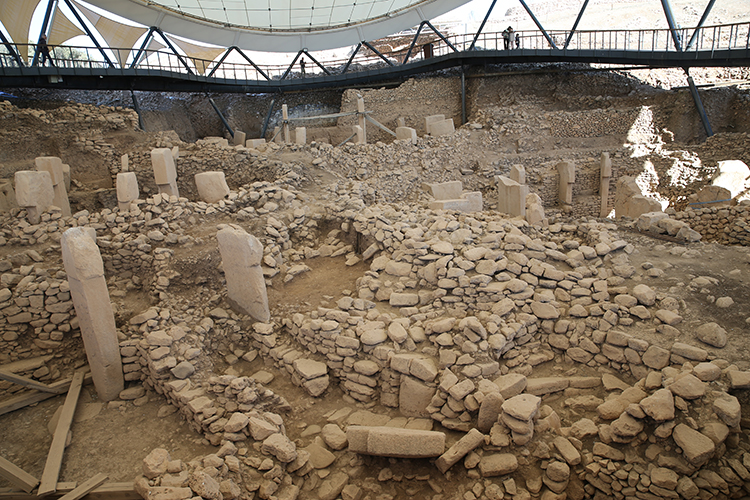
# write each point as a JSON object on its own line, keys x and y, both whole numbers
{"x": 522, "y": 407}
{"x": 395, "y": 442}
{"x": 696, "y": 447}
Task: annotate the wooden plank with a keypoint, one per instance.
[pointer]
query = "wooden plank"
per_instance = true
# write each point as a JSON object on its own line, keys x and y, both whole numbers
{"x": 108, "y": 491}
{"x": 17, "y": 476}
{"x": 27, "y": 382}
{"x": 57, "y": 449}
{"x": 30, "y": 398}
{"x": 86, "y": 487}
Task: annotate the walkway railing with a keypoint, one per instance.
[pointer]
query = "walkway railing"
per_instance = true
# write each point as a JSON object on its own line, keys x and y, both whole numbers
{"x": 706, "y": 39}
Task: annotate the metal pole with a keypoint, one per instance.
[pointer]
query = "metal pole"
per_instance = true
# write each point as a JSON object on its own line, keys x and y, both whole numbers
{"x": 481, "y": 26}
{"x": 89, "y": 33}
{"x": 575, "y": 24}
{"x": 700, "y": 24}
{"x": 286, "y": 73}
{"x": 257, "y": 68}
{"x": 413, "y": 42}
{"x": 672, "y": 25}
{"x": 463, "y": 96}
{"x": 141, "y": 50}
{"x": 441, "y": 36}
{"x": 173, "y": 49}
{"x": 137, "y": 108}
{"x": 539, "y": 25}
{"x": 268, "y": 118}
{"x": 47, "y": 15}
{"x": 316, "y": 62}
{"x": 223, "y": 57}
{"x": 348, "y": 63}
{"x": 366, "y": 44}
{"x": 221, "y": 116}
{"x": 699, "y": 104}
{"x": 11, "y": 50}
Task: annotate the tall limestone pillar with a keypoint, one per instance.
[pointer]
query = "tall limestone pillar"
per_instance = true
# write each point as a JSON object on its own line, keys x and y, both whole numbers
{"x": 54, "y": 166}
{"x": 88, "y": 289}
{"x": 605, "y": 174}
{"x": 241, "y": 254}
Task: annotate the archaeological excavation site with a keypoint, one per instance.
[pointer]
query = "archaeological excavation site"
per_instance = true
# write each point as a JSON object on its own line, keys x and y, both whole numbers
{"x": 533, "y": 288}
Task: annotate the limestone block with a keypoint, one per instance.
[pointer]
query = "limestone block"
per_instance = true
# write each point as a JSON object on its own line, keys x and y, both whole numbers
{"x": 474, "y": 201}
{"x": 300, "y": 135}
{"x": 35, "y": 192}
{"x": 212, "y": 186}
{"x": 732, "y": 175}
{"x": 467, "y": 443}
{"x": 360, "y": 134}
{"x": 88, "y": 289}
{"x": 395, "y": 442}
{"x": 518, "y": 174}
{"x": 239, "y": 138}
{"x": 429, "y": 120}
{"x": 406, "y": 133}
{"x": 51, "y": 164}
{"x": 255, "y": 143}
{"x": 54, "y": 166}
{"x": 241, "y": 254}
{"x": 66, "y": 176}
{"x": 458, "y": 205}
{"x": 124, "y": 163}
{"x": 605, "y": 174}
{"x": 401, "y": 122}
{"x": 278, "y": 138}
{"x": 444, "y": 190}
{"x": 534, "y": 209}
{"x": 163, "y": 164}
{"x": 567, "y": 172}
{"x": 127, "y": 187}
{"x": 511, "y": 196}
{"x": 630, "y": 202}
{"x": 414, "y": 397}
{"x": 711, "y": 196}
{"x": 444, "y": 127}
{"x": 7, "y": 196}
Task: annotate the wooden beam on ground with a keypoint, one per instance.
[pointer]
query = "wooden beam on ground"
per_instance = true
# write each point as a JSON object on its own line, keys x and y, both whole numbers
{"x": 17, "y": 476}
{"x": 27, "y": 382}
{"x": 108, "y": 491}
{"x": 57, "y": 449}
{"x": 86, "y": 487}
{"x": 30, "y": 398}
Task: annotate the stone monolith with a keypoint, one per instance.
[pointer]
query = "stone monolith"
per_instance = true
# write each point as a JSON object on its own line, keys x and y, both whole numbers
{"x": 212, "y": 186}
{"x": 605, "y": 174}
{"x": 54, "y": 166}
{"x": 511, "y": 196}
{"x": 165, "y": 173}
{"x": 88, "y": 289}
{"x": 127, "y": 190}
{"x": 241, "y": 254}
{"x": 34, "y": 192}
{"x": 567, "y": 170}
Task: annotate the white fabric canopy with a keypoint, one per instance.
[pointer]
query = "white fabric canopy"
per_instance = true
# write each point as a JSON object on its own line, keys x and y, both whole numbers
{"x": 16, "y": 17}
{"x": 280, "y": 25}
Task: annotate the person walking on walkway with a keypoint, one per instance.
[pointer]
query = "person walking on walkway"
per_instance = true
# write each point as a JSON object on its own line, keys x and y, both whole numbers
{"x": 506, "y": 37}
{"x": 43, "y": 49}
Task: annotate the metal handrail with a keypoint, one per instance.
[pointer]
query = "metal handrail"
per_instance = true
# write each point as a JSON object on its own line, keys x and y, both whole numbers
{"x": 709, "y": 38}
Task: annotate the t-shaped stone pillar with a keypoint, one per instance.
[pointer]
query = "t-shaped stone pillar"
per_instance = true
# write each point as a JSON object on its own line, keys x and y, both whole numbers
{"x": 605, "y": 174}
{"x": 518, "y": 174}
{"x": 165, "y": 173}
{"x": 34, "y": 192}
{"x": 127, "y": 190}
{"x": 241, "y": 254}
{"x": 88, "y": 289}
{"x": 54, "y": 166}
{"x": 567, "y": 172}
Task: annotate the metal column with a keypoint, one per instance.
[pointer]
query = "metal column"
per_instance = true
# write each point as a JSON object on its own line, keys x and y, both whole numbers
{"x": 672, "y": 25}
{"x": 137, "y": 108}
{"x": 221, "y": 116}
{"x": 700, "y": 24}
{"x": 699, "y": 104}
{"x": 539, "y": 25}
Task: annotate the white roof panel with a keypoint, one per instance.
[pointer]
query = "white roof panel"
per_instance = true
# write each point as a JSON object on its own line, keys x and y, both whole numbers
{"x": 280, "y": 25}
